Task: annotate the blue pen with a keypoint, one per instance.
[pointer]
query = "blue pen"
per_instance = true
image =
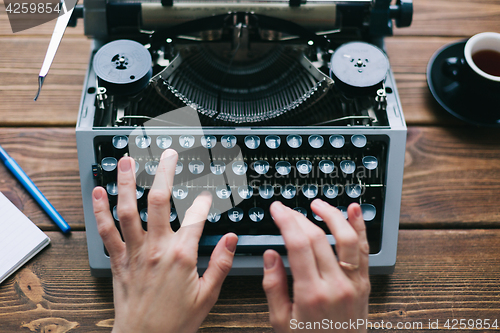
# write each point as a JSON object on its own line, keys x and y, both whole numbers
{"x": 33, "y": 190}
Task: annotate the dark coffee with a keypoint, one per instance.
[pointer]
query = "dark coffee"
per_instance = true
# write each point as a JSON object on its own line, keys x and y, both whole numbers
{"x": 488, "y": 61}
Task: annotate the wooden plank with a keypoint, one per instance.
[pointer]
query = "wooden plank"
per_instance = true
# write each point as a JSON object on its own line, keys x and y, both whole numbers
{"x": 451, "y": 175}
{"x": 440, "y": 274}
{"x": 59, "y": 102}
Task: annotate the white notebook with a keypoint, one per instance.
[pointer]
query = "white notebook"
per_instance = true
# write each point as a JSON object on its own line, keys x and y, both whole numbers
{"x": 20, "y": 239}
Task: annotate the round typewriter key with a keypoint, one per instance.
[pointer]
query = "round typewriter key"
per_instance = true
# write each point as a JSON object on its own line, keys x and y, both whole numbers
{"x": 337, "y": 141}
{"x": 228, "y": 141}
{"x": 143, "y": 141}
{"x": 186, "y": 141}
{"x": 115, "y": 213}
{"x": 239, "y": 168}
{"x": 180, "y": 192}
{"x": 343, "y": 210}
{"x": 120, "y": 141}
{"x": 316, "y": 141}
{"x": 294, "y": 141}
{"x": 245, "y": 191}
{"x": 151, "y": 167}
{"x": 252, "y": 141}
{"x": 214, "y": 215}
{"x": 273, "y": 141}
{"x": 310, "y": 191}
{"x": 109, "y": 163}
{"x": 178, "y": 167}
{"x": 353, "y": 190}
{"x": 301, "y": 210}
{"x": 358, "y": 140}
{"x": 304, "y": 166}
{"x": 348, "y": 166}
{"x": 266, "y": 191}
{"x": 369, "y": 211}
{"x": 330, "y": 191}
{"x": 317, "y": 217}
{"x": 218, "y": 167}
{"x": 196, "y": 167}
{"x": 136, "y": 166}
{"x": 223, "y": 192}
{"x": 288, "y": 191}
{"x": 326, "y": 166}
{"x": 139, "y": 192}
{"x": 112, "y": 189}
{"x": 283, "y": 167}
{"x": 144, "y": 214}
{"x": 256, "y": 214}
{"x": 235, "y": 214}
{"x": 370, "y": 162}
{"x": 173, "y": 214}
{"x": 164, "y": 141}
{"x": 208, "y": 141}
{"x": 261, "y": 167}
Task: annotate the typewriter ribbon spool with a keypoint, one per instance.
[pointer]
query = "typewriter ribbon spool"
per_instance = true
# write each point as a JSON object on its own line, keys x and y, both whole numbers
{"x": 359, "y": 68}
{"x": 123, "y": 67}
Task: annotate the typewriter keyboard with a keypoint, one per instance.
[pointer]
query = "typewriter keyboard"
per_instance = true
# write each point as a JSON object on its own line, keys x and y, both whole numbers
{"x": 246, "y": 173}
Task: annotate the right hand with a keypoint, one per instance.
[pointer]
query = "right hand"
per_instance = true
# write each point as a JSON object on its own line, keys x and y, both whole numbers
{"x": 325, "y": 290}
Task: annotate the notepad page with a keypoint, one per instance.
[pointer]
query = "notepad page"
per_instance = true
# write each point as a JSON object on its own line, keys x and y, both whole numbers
{"x": 20, "y": 239}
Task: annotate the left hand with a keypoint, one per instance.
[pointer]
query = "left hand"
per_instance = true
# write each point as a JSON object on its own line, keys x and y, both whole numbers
{"x": 155, "y": 279}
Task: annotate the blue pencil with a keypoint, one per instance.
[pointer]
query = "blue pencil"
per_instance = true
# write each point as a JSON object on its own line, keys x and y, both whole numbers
{"x": 33, "y": 190}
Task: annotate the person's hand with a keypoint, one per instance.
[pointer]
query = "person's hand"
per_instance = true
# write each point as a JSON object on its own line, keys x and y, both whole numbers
{"x": 155, "y": 280}
{"x": 326, "y": 291}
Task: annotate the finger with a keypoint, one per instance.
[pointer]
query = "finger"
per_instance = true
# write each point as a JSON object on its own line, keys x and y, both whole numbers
{"x": 219, "y": 266}
{"x": 159, "y": 197}
{"x": 275, "y": 285}
{"x": 194, "y": 220}
{"x": 323, "y": 252}
{"x": 105, "y": 223}
{"x": 300, "y": 254}
{"x": 357, "y": 222}
{"x": 346, "y": 238}
{"x": 130, "y": 222}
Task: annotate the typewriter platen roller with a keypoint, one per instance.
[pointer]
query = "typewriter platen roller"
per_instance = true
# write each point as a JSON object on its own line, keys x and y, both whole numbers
{"x": 262, "y": 100}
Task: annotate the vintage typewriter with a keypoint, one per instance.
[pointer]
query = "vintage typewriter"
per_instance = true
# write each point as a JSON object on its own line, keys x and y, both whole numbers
{"x": 262, "y": 100}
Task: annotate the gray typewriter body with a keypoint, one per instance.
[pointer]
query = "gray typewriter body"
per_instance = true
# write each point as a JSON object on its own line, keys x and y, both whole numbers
{"x": 327, "y": 139}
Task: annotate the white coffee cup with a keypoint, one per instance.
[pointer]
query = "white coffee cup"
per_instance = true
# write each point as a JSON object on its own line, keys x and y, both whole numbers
{"x": 485, "y": 41}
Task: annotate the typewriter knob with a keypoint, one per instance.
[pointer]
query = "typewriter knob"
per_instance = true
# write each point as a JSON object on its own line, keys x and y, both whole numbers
{"x": 402, "y": 12}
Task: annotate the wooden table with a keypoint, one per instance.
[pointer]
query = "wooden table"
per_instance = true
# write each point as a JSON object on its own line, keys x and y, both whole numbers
{"x": 448, "y": 264}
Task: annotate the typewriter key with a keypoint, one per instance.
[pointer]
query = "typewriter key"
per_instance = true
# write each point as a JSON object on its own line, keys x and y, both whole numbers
{"x": 186, "y": 141}
{"x": 256, "y": 214}
{"x": 218, "y": 167}
{"x": 112, "y": 189}
{"x": 316, "y": 141}
{"x": 245, "y": 191}
{"x": 120, "y": 141}
{"x": 228, "y": 141}
{"x": 178, "y": 168}
{"x": 180, "y": 192}
{"x": 143, "y": 141}
{"x": 109, "y": 163}
{"x": 294, "y": 141}
{"x": 343, "y": 210}
{"x": 239, "y": 168}
{"x": 369, "y": 211}
{"x": 115, "y": 213}
{"x": 347, "y": 167}
{"x": 139, "y": 192}
{"x": 283, "y": 167}
{"x": 330, "y": 191}
{"x": 144, "y": 214}
{"x": 261, "y": 167}
{"x": 235, "y": 214}
{"x": 317, "y": 217}
{"x": 288, "y": 191}
{"x": 326, "y": 166}
{"x": 301, "y": 210}
{"x": 358, "y": 140}
{"x": 370, "y": 162}
{"x": 223, "y": 192}
{"x": 196, "y": 167}
{"x": 266, "y": 191}
{"x": 304, "y": 166}
{"x": 273, "y": 141}
{"x": 164, "y": 141}
{"x": 252, "y": 141}
{"x": 337, "y": 141}
{"x": 214, "y": 215}
{"x": 353, "y": 190}
{"x": 208, "y": 141}
{"x": 310, "y": 191}
{"x": 151, "y": 167}
{"x": 173, "y": 214}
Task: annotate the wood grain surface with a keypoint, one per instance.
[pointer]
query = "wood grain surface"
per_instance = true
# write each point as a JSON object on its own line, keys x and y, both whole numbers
{"x": 437, "y": 282}
{"x": 448, "y": 264}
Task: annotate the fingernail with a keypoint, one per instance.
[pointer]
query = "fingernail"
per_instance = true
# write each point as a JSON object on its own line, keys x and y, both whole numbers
{"x": 269, "y": 261}
{"x": 168, "y": 153}
{"x": 230, "y": 245}
{"x": 97, "y": 194}
{"x": 321, "y": 202}
{"x": 278, "y": 207}
{"x": 125, "y": 164}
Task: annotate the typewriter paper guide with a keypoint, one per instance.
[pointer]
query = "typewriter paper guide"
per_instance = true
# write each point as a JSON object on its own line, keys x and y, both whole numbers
{"x": 264, "y": 121}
